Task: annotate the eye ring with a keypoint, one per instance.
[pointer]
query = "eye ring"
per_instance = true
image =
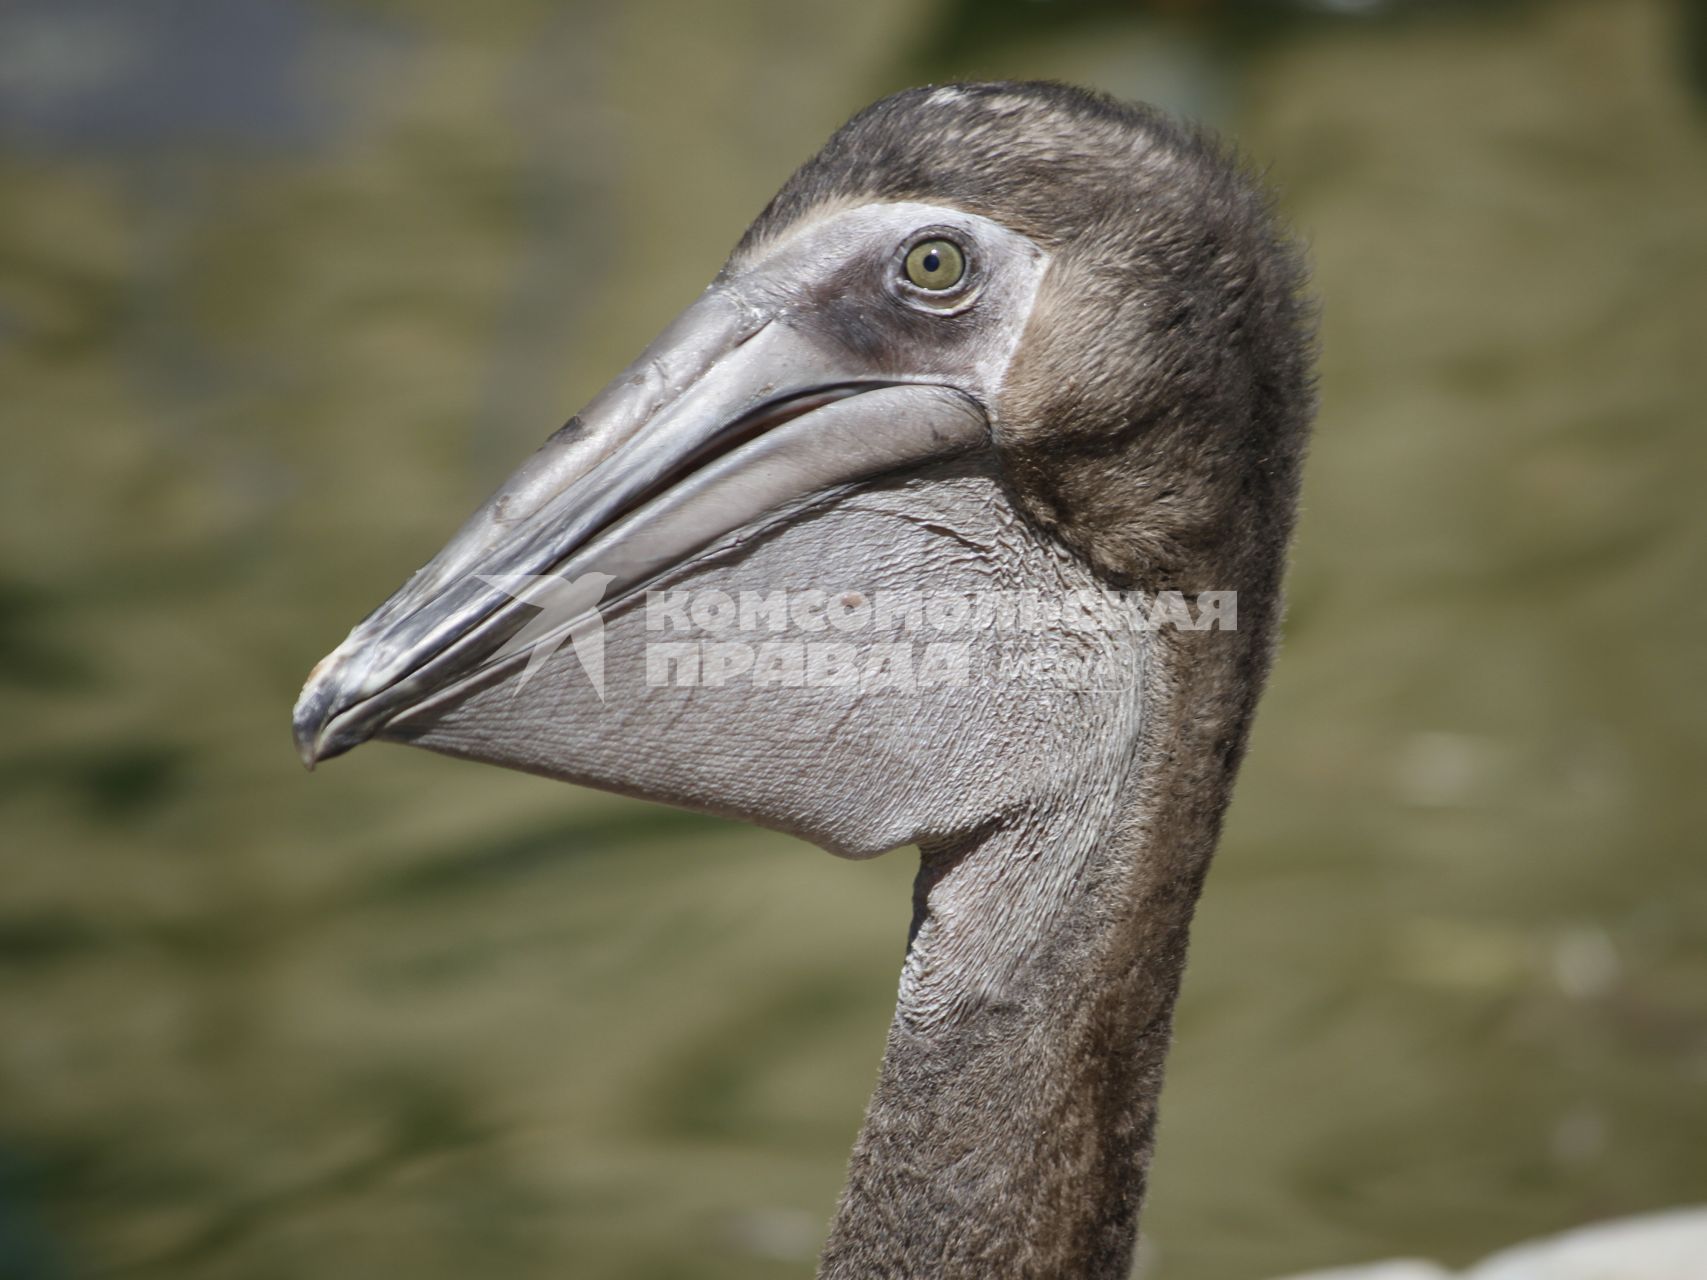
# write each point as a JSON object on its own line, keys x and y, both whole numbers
{"x": 935, "y": 265}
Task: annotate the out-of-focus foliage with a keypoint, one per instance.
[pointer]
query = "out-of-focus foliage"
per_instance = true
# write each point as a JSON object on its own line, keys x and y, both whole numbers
{"x": 286, "y": 287}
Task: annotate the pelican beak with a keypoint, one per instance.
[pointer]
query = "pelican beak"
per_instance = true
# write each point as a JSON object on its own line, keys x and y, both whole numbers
{"x": 738, "y": 415}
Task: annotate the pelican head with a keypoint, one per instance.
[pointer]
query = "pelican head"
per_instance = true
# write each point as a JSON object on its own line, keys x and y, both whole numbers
{"x": 992, "y": 337}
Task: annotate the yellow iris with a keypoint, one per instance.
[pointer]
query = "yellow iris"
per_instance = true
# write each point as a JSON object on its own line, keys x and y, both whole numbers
{"x": 935, "y": 264}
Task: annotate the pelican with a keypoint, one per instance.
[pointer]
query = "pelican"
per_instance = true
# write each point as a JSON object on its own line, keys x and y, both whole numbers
{"x": 992, "y": 341}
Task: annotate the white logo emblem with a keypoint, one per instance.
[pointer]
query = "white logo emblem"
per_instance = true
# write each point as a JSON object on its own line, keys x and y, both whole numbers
{"x": 563, "y": 604}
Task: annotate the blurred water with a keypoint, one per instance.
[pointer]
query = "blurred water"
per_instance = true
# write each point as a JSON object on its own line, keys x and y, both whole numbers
{"x": 285, "y": 287}
{"x": 127, "y": 79}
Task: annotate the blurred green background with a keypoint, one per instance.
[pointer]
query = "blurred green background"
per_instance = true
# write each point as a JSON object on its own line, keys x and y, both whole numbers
{"x": 287, "y": 286}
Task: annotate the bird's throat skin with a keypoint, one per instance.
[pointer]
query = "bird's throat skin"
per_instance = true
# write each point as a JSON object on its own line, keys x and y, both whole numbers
{"x": 1013, "y": 1139}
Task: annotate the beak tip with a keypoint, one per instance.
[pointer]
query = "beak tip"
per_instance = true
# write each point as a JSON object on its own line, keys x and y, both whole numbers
{"x": 309, "y": 721}
{"x": 320, "y": 722}
{"x": 307, "y": 743}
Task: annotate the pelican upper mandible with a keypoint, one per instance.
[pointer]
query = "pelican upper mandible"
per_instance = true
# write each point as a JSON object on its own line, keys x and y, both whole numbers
{"x": 1003, "y": 341}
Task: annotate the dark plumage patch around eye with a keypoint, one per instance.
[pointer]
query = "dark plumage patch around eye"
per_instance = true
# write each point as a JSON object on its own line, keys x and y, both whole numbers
{"x": 887, "y": 333}
{"x": 853, "y": 309}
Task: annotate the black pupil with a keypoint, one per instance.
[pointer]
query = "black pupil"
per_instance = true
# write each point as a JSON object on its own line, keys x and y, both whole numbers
{"x": 933, "y": 260}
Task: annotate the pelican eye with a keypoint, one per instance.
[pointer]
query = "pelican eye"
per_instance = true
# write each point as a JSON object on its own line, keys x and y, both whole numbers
{"x": 936, "y": 265}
